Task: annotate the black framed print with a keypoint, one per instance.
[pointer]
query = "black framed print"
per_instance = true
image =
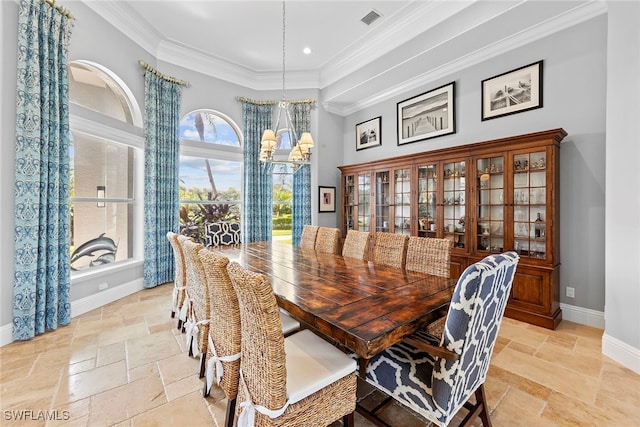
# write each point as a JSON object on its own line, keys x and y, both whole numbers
{"x": 428, "y": 115}
{"x": 369, "y": 133}
{"x": 327, "y": 199}
{"x": 512, "y": 92}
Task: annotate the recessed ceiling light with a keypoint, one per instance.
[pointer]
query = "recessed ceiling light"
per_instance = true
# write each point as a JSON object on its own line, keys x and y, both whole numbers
{"x": 306, "y": 50}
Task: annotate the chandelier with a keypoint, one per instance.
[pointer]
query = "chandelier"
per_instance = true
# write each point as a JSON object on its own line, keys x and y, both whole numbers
{"x": 300, "y": 148}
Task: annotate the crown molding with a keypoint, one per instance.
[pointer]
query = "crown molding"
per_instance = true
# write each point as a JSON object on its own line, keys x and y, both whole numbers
{"x": 425, "y": 16}
{"x": 186, "y": 57}
{"x": 127, "y": 21}
{"x": 566, "y": 20}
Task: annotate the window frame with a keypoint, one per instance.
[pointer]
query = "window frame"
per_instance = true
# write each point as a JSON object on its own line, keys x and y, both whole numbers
{"x": 84, "y": 120}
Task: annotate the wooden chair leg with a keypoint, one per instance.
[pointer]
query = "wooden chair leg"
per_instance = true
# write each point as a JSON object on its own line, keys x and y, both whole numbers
{"x": 173, "y": 314}
{"x": 180, "y": 325}
{"x": 190, "y": 343}
{"x": 480, "y": 409}
{"x": 481, "y": 398}
{"x": 203, "y": 359}
{"x": 348, "y": 420}
{"x": 231, "y": 413}
{"x": 205, "y": 392}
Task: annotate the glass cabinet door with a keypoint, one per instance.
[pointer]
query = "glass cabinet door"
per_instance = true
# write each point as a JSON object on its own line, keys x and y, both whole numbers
{"x": 382, "y": 196}
{"x": 427, "y": 186}
{"x": 454, "y": 214}
{"x": 402, "y": 201}
{"x": 530, "y": 204}
{"x": 490, "y": 204}
{"x": 364, "y": 201}
{"x": 348, "y": 195}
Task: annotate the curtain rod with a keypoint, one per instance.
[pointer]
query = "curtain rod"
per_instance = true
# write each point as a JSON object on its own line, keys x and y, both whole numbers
{"x": 162, "y": 76}
{"x": 272, "y": 102}
{"x": 63, "y": 10}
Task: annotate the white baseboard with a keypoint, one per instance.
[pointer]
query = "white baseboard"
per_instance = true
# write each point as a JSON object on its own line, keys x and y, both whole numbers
{"x": 86, "y": 304}
{"x": 584, "y": 316}
{"x": 621, "y": 352}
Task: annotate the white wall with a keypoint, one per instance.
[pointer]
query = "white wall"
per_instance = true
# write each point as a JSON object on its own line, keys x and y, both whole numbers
{"x": 621, "y": 340}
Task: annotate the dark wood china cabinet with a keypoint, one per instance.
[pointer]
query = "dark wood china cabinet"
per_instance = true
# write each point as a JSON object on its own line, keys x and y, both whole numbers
{"x": 486, "y": 197}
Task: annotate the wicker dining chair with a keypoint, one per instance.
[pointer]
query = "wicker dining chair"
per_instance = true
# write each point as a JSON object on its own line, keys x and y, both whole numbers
{"x": 327, "y": 240}
{"x": 436, "y": 379}
{"x": 223, "y": 350}
{"x": 308, "y": 237}
{"x": 431, "y": 256}
{"x": 300, "y": 380}
{"x": 177, "y": 298}
{"x": 390, "y": 249}
{"x": 356, "y": 244}
{"x": 185, "y": 308}
{"x": 196, "y": 288}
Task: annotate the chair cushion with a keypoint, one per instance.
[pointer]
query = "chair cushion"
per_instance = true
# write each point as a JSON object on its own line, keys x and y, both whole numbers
{"x": 312, "y": 364}
{"x": 405, "y": 373}
{"x": 289, "y": 324}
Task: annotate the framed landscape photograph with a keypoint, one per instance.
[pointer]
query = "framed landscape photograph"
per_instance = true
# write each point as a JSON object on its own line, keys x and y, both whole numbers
{"x": 512, "y": 92}
{"x": 369, "y": 134}
{"x": 327, "y": 199}
{"x": 427, "y": 115}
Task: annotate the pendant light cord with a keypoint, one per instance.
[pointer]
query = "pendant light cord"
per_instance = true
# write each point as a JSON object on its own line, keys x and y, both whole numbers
{"x": 283, "y": 47}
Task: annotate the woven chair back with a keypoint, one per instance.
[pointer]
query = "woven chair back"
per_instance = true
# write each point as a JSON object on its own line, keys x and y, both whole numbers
{"x": 429, "y": 255}
{"x": 390, "y": 249}
{"x": 225, "y": 318}
{"x": 263, "y": 358}
{"x": 308, "y": 237}
{"x": 356, "y": 244}
{"x": 327, "y": 240}
{"x": 180, "y": 272}
{"x": 197, "y": 289}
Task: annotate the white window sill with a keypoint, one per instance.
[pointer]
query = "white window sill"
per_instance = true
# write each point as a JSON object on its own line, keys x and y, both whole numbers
{"x": 103, "y": 271}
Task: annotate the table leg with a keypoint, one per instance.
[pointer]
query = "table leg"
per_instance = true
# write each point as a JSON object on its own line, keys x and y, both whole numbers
{"x": 362, "y": 367}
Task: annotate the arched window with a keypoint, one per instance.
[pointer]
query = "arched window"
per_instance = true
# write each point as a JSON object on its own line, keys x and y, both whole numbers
{"x": 210, "y": 171}
{"x": 103, "y": 162}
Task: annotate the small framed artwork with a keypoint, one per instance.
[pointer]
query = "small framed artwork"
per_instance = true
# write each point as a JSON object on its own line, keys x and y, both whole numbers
{"x": 369, "y": 134}
{"x": 512, "y": 92}
{"x": 327, "y": 199}
{"x": 427, "y": 115}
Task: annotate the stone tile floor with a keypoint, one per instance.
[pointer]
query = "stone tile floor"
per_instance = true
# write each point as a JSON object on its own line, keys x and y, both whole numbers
{"x": 124, "y": 365}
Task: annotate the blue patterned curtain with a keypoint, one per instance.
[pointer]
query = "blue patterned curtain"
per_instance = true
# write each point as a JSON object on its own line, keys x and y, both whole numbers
{"x": 161, "y": 190}
{"x": 41, "y": 236}
{"x": 301, "y": 117}
{"x": 258, "y": 180}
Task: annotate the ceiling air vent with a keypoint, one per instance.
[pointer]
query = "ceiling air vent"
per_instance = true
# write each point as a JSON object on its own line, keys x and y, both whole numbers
{"x": 370, "y": 17}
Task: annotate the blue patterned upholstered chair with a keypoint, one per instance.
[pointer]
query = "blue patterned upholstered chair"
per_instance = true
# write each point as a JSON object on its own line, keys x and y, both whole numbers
{"x": 222, "y": 234}
{"x": 437, "y": 379}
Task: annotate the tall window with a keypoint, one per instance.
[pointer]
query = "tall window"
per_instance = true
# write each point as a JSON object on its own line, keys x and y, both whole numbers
{"x": 210, "y": 171}
{"x": 282, "y": 202}
{"x": 103, "y": 163}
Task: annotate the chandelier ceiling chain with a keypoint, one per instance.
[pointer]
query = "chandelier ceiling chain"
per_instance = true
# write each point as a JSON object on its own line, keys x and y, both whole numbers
{"x": 300, "y": 153}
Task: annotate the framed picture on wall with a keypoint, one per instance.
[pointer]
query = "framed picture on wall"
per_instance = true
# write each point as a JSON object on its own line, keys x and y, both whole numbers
{"x": 427, "y": 115}
{"x": 327, "y": 199}
{"x": 369, "y": 133}
{"x": 512, "y": 92}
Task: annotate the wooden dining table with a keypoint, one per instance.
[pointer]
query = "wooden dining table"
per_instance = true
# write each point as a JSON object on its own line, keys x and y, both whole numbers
{"x": 355, "y": 303}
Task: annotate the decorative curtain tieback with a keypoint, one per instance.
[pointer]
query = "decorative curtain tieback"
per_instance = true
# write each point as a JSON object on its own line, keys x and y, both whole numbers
{"x": 192, "y": 335}
{"x": 176, "y": 291}
{"x": 215, "y": 363}
{"x": 247, "y": 416}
